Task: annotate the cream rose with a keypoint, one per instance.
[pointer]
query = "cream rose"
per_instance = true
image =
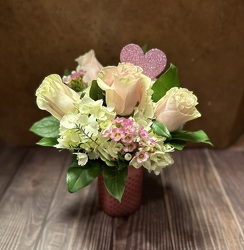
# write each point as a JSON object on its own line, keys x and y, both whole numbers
{"x": 176, "y": 108}
{"x": 125, "y": 87}
{"x": 55, "y": 97}
{"x": 90, "y": 65}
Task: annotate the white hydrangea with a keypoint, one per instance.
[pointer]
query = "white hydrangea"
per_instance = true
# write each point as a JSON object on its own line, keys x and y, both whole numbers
{"x": 82, "y": 158}
{"x": 144, "y": 113}
{"x": 81, "y": 130}
{"x": 159, "y": 160}
{"x": 109, "y": 149}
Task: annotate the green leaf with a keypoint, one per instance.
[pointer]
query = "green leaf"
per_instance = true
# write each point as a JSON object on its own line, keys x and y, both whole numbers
{"x": 82, "y": 95}
{"x": 165, "y": 82}
{"x": 67, "y": 72}
{"x": 109, "y": 163}
{"x": 48, "y": 142}
{"x": 96, "y": 92}
{"x": 104, "y": 158}
{"x": 161, "y": 130}
{"x": 144, "y": 48}
{"x": 76, "y": 85}
{"x": 177, "y": 144}
{"x": 46, "y": 127}
{"x": 74, "y": 162}
{"x": 79, "y": 177}
{"x": 122, "y": 163}
{"x": 196, "y": 137}
{"x": 115, "y": 180}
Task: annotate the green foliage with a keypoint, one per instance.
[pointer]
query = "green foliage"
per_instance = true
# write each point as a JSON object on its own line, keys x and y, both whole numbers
{"x": 80, "y": 176}
{"x": 114, "y": 180}
{"x": 161, "y": 130}
{"x": 114, "y": 176}
{"x": 48, "y": 142}
{"x": 177, "y": 144}
{"x": 67, "y": 72}
{"x": 96, "y": 92}
{"x": 46, "y": 127}
{"x": 77, "y": 85}
{"x": 197, "y": 137}
{"x": 144, "y": 48}
{"x": 108, "y": 163}
{"x": 179, "y": 138}
{"x": 74, "y": 163}
{"x": 165, "y": 82}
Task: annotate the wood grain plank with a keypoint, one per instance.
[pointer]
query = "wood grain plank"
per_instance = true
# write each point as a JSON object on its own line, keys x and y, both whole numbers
{"x": 27, "y": 200}
{"x": 229, "y": 165}
{"x": 148, "y": 227}
{"x": 10, "y": 160}
{"x": 95, "y": 227}
{"x": 199, "y": 214}
{"x": 194, "y": 204}
{"x": 74, "y": 221}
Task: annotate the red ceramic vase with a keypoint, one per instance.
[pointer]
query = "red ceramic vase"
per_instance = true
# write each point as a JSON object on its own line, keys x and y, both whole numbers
{"x": 131, "y": 199}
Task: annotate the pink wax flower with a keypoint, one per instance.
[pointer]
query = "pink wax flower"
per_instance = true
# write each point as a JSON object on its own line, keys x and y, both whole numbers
{"x": 117, "y": 134}
{"x": 142, "y": 156}
{"x": 130, "y": 147}
{"x": 119, "y": 122}
{"x": 142, "y": 132}
{"x": 77, "y": 74}
{"x": 128, "y": 138}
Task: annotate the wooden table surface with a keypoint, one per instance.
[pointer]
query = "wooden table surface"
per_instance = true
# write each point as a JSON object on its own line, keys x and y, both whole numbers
{"x": 197, "y": 203}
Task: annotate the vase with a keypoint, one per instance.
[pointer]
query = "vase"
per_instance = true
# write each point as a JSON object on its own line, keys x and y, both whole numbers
{"x": 131, "y": 200}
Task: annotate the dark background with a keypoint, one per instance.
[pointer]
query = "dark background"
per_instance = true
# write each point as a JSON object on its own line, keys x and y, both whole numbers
{"x": 203, "y": 39}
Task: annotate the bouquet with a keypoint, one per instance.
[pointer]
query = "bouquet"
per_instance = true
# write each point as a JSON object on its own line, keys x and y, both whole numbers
{"x": 113, "y": 117}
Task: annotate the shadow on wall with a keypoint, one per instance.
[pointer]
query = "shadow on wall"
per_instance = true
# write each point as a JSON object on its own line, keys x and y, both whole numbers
{"x": 39, "y": 38}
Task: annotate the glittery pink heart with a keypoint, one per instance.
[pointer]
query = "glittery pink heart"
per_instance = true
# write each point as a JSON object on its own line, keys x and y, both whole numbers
{"x": 152, "y": 63}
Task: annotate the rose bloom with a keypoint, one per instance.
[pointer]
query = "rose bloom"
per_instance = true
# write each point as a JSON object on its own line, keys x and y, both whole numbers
{"x": 176, "y": 108}
{"x": 55, "y": 97}
{"x": 124, "y": 85}
{"x": 89, "y": 63}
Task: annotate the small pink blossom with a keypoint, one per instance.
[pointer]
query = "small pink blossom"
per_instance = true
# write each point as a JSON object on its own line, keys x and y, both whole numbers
{"x": 119, "y": 122}
{"x": 130, "y": 129}
{"x": 76, "y": 74}
{"x": 129, "y": 122}
{"x": 142, "y": 156}
{"x": 128, "y": 138}
{"x": 152, "y": 142}
{"x": 117, "y": 134}
{"x": 143, "y": 133}
{"x": 130, "y": 147}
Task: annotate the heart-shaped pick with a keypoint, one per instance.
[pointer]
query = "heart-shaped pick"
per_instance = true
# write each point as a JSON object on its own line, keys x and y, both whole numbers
{"x": 152, "y": 63}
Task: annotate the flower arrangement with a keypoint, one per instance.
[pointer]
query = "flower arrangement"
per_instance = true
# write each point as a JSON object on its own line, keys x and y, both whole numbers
{"x": 117, "y": 116}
